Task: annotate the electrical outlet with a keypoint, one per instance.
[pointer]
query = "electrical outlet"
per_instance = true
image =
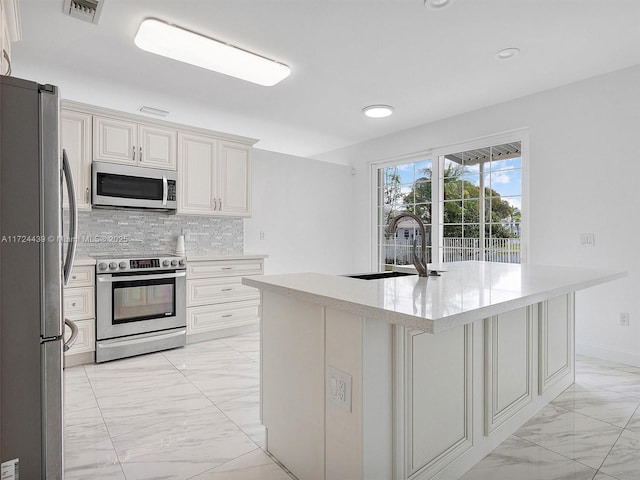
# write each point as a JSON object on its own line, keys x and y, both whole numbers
{"x": 623, "y": 319}
{"x": 261, "y": 235}
{"x": 339, "y": 387}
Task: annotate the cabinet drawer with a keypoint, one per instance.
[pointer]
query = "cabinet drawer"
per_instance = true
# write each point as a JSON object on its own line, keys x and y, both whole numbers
{"x": 219, "y": 317}
{"x": 81, "y": 276}
{"x": 79, "y": 303}
{"x": 86, "y": 341}
{"x": 205, "y": 291}
{"x": 224, "y": 268}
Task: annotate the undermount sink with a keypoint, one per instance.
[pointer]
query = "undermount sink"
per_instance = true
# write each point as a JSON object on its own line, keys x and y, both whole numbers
{"x": 379, "y": 275}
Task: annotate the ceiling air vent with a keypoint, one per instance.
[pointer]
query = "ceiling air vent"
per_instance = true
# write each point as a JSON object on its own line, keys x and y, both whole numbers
{"x": 87, "y": 10}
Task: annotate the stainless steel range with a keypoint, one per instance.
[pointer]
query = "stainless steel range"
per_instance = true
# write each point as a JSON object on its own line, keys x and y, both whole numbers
{"x": 140, "y": 305}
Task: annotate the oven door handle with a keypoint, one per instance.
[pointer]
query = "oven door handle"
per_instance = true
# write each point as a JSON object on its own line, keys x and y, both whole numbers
{"x": 128, "y": 278}
{"x": 134, "y": 341}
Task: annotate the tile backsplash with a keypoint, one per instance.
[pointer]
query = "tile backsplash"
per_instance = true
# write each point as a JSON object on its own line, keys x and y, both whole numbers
{"x": 104, "y": 231}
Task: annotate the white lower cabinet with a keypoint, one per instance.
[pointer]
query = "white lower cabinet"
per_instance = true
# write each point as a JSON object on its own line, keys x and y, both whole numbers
{"x": 218, "y": 305}
{"x": 79, "y": 307}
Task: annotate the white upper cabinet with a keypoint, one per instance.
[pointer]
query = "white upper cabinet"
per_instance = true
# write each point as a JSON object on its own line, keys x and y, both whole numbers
{"x": 157, "y": 147}
{"x": 114, "y": 141}
{"x": 235, "y": 178}
{"x": 214, "y": 176}
{"x": 121, "y": 141}
{"x": 75, "y": 137}
{"x": 196, "y": 179}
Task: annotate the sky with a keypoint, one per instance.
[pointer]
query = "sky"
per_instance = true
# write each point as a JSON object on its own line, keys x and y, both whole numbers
{"x": 503, "y": 176}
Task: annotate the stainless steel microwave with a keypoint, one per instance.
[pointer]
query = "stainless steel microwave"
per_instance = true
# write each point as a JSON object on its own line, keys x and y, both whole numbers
{"x": 128, "y": 186}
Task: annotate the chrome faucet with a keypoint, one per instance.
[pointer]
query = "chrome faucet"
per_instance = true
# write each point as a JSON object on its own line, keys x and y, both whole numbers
{"x": 420, "y": 263}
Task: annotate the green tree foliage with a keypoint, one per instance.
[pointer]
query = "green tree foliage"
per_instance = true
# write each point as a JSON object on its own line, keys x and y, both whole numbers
{"x": 462, "y": 205}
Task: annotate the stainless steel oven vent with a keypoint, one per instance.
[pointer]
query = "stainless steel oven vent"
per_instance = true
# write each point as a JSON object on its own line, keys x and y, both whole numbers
{"x": 87, "y": 10}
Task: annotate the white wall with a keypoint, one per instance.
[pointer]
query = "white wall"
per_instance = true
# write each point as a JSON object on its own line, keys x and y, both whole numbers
{"x": 584, "y": 178}
{"x": 304, "y": 208}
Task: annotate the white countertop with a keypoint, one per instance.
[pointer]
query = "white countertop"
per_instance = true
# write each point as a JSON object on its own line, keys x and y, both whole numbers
{"x": 82, "y": 260}
{"x": 466, "y": 292}
{"x": 203, "y": 257}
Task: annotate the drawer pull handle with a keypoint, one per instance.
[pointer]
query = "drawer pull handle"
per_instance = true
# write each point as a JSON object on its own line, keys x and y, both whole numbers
{"x": 227, "y": 289}
{"x": 227, "y": 268}
{"x": 227, "y": 315}
{"x": 74, "y": 277}
{"x": 73, "y": 304}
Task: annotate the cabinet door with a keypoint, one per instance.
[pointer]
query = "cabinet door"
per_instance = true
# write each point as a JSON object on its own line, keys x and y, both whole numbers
{"x": 196, "y": 181}
{"x": 75, "y": 137}
{"x": 114, "y": 141}
{"x": 157, "y": 147}
{"x": 235, "y": 179}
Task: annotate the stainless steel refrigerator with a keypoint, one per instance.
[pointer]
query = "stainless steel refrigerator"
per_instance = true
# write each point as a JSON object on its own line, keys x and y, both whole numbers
{"x": 33, "y": 271}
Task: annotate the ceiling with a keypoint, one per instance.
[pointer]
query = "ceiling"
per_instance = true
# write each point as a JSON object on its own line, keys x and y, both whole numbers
{"x": 344, "y": 55}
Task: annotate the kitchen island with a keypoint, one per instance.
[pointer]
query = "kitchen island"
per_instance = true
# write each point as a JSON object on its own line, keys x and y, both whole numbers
{"x": 409, "y": 377}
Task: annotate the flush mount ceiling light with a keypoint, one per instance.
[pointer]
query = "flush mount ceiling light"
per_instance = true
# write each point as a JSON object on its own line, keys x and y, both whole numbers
{"x": 377, "y": 111}
{"x": 437, "y": 4}
{"x": 506, "y": 53}
{"x": 185, "y": 46}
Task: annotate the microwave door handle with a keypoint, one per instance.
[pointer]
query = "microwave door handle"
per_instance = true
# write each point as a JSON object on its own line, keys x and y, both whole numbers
{"x": 73, "y": 218}
{"x": 165, "y": 190}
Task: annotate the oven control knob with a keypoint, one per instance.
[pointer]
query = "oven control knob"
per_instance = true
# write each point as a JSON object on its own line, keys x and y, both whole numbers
{"x": 182, "y": 262}
{"x": 113, "y": 265}
{"x": 123, "y": 264}
{"x": 102, "y": 266}
{"x": 165, "y": 263}
{"x": 174, "y": 262}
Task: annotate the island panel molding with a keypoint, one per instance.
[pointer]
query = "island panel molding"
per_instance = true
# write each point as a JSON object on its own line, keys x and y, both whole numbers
{"x": 557, "y": 348}
{"x": 509, "y": 363}
{"x": 438, "y": 434}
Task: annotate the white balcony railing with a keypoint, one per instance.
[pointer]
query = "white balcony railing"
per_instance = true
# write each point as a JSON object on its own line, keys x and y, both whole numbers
{"x": 504, "y": 250}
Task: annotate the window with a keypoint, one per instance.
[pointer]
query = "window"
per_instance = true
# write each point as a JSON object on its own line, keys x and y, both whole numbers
{"x": 471, "y": 210}
{"x": 404, "y": 188}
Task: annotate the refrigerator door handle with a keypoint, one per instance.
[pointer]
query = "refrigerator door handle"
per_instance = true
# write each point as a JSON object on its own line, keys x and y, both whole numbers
{"x": 73, "y": 218}
{"x": 74, "y": 334}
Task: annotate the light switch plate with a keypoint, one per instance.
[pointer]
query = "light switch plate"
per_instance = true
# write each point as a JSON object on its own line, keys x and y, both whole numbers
{"x": 339, "y": 387}
{"x": 587, "y": 239}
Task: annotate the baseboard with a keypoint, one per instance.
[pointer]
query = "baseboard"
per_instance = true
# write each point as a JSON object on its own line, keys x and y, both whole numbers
{"x": 610, "y": 354}
{"x": 222, "y": 333}
{"x": 79, "y": 359}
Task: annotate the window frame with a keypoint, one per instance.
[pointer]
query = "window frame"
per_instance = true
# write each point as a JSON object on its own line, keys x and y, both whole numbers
{"x": 434, "y": 154}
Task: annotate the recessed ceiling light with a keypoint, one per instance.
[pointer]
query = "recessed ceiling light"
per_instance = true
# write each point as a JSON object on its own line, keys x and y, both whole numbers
{"x": 437, "y": 4}
{"x": 506, "y": 53}
{"x": 377, "y": 111}
{"x": 185, "y": 46}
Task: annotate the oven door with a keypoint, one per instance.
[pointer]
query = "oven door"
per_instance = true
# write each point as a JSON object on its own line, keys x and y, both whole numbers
{"x": 128, "y": 304}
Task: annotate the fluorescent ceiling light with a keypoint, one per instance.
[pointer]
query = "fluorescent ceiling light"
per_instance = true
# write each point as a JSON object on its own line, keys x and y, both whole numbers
{"x": 506, "y": 53}
{"x": 179, "y": 44}
{"x": 377, "y": 111}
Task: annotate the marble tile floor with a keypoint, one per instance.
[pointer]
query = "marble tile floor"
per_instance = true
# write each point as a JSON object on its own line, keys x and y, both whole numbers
{"x": 192, "y": 413}
{"x": 589, "y": 432}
